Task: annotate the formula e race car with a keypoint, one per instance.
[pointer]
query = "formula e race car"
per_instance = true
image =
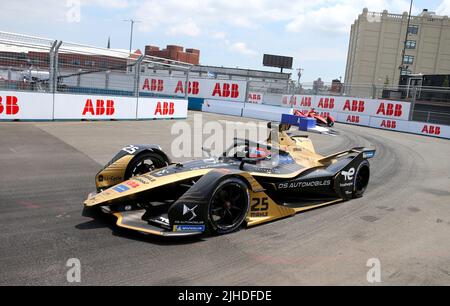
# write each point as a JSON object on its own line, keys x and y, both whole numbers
{"x": 250, "y": 184}
{"x": 321, "y": 120}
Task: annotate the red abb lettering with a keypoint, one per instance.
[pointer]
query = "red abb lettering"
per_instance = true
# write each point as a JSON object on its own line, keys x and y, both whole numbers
{"x": 226, "y": 91}
{"x": 327, "y": 103}
{"x": 165, "y": 109}
{"x": 431, "y": 130}
{"x": 389, "y": 124}
{"x": 12, "y": 108}
{"x": 390, "y": 109}
{"x": 153, "y": 85}
{"x": 306, "y": 102}
{"x": 193, "y": 88}
{"x": 293, "y": 101}
{"x": 133, "y": 184}
{"x": 354, "y": 106}
{"x": 110, "y": 109}
{"x": 100, "y": 108}
{"x": 353, "y": 119}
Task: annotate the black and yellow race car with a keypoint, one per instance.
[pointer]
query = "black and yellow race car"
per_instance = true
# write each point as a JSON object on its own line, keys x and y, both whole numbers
{"x": 250, "y": 184}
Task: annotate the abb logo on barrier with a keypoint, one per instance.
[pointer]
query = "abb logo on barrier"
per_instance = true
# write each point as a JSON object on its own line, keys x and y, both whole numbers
{"x": 326, "y": 103}
{"x": 389, "y": 109}
{"x": 388, "y": 124}
{"x": 226, "y": 90}
{"x": 353, "y": 119}
{"x": 193, "y": 88}
{"x": 101, "y": 108}
{"x": 324, "y": 114}
{"x": 254, "y": 98}
{"x": 11, "y": 107}
{"x": 431, "y": 130}
{"x": 153, "y": 85}
{"x": 355, "y": 106}
{"x": 165, "y": 109}
{"x": 306, "y": 102}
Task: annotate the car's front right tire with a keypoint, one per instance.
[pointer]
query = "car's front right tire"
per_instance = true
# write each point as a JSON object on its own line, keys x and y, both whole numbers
{"x": 228, "y": 206}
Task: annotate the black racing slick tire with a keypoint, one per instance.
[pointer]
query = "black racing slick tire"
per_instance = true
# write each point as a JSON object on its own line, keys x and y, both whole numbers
{"x": 362, "y": 178}
{"x": 228, "y": 207}
{"x": 145, "y": 163}
{"x": 330, "y": 122}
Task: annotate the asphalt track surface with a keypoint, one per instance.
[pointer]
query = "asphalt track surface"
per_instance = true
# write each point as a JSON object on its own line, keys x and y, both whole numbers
{"x": 48, "y": 169}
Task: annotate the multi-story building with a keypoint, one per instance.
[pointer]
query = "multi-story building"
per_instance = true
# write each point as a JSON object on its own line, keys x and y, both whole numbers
{"x": 380, "y": 50}
{"x": 175, "y": 53}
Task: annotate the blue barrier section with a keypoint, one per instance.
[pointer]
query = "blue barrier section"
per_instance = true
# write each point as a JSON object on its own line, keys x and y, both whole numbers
{"x": 195, "y": 104}
{"x": 303, "y": 123}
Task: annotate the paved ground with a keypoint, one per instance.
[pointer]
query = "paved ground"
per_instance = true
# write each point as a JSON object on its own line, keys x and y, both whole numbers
{"x": 48, "y": 169}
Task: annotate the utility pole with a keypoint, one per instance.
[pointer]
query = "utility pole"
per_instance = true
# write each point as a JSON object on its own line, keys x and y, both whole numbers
{"x": 132, "y": 22}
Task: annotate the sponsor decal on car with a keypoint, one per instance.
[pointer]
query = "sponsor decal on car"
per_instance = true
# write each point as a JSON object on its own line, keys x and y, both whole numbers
{"x": 187, "y": 210}
{"x": 189, "y": 228}
{"x": 296, "y": 185}
{"x": 121, "y": 188}
{"x": 348, "y": 175}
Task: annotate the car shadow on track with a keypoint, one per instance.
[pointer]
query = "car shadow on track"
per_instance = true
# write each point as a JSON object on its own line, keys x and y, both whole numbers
{"x": 100, "y": 221}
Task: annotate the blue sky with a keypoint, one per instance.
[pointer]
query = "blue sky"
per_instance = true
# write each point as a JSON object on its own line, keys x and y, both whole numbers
{"x": 229, "y": 33}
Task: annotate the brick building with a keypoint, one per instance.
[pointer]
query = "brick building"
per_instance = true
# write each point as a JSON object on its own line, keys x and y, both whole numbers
{"x": 175, "y": 53}
{"x": 24, "y": 58}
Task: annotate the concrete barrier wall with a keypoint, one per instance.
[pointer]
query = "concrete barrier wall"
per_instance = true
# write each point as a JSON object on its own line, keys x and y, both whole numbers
{"x": 387, "y": 114}
{"x": 16, "y": 105}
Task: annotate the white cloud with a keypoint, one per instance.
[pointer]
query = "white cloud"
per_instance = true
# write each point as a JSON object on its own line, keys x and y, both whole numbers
{"x": 444, "y": 8}
{"x": 298, "y": 15}
{"x": 189, "y": 28}
{"x": 242, "y": 48}
{"x": 113, "y": 4}
{"x": 336, "y": 17}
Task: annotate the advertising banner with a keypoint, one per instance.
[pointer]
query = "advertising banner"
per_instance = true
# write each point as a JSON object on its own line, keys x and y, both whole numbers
{"x": 71, "y": 107}
{"x": 229, "y": 90}
{"x": 15, "y": 105}
{"x": 149, "y": 108}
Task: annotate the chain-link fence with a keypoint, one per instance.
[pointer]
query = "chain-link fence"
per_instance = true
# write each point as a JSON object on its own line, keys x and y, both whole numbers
{"x": 429, "y": 104}
{"x": 35, "y": 64}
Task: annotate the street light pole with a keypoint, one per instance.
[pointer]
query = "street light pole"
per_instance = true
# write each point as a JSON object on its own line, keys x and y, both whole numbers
{"x": 132, "y": 22}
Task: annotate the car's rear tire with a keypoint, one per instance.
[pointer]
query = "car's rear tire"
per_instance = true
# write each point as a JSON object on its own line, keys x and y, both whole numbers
{"x": 330, "y": 122}
{"x": 145, "y": 163}
{"x": 228, "y": 206}
{"x": 362, "y": 178}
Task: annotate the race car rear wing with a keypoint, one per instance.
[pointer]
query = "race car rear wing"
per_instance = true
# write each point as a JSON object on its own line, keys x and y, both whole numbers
{"x": 366, "y": 154}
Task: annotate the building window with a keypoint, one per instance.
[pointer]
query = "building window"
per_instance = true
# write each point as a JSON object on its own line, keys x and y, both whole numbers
{"x": 405, "y": 72}
{"x": 411, "y": 44}
{"x": 89, "y": 63}
{"x": 408, "y": 59}
{"x": 414, "y": 29}
{"x": 75, "y": 62}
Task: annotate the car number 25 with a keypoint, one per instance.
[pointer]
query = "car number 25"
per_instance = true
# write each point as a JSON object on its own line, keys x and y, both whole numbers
{"x": 260, "y": 204}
